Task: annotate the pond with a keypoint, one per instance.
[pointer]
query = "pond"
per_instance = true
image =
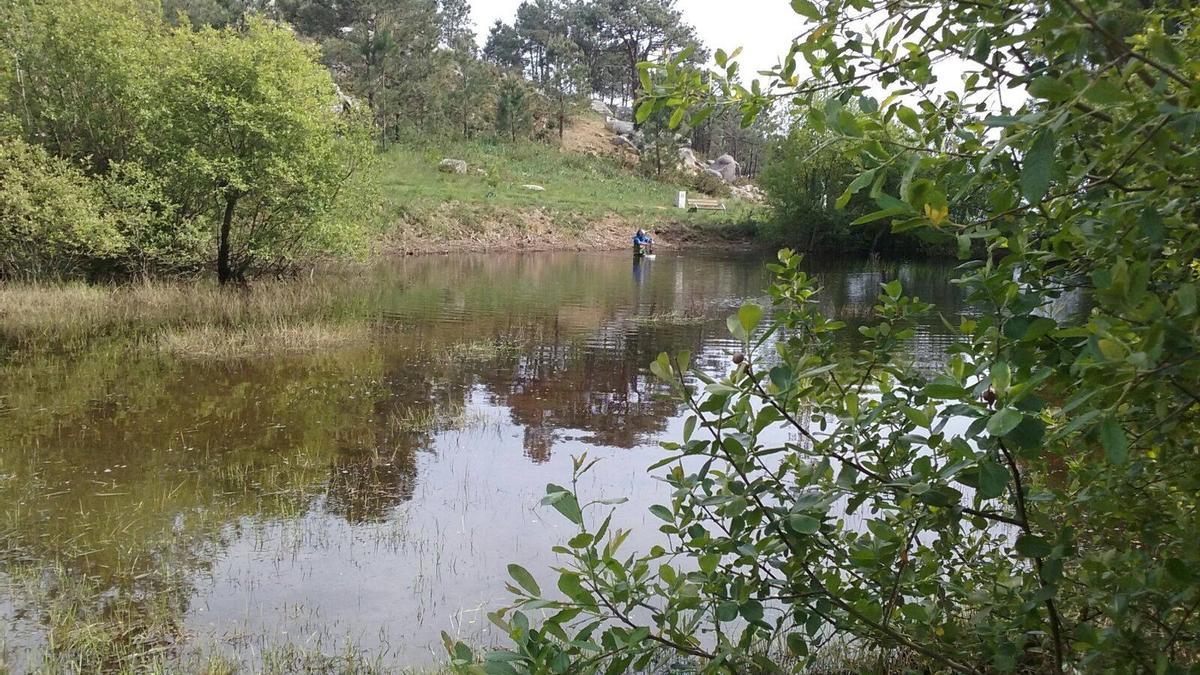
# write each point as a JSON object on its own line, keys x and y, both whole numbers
{"x": 360, "y": 500}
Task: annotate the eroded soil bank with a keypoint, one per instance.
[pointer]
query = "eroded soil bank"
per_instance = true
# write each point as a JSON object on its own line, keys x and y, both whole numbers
{"x": 458, "y": 228}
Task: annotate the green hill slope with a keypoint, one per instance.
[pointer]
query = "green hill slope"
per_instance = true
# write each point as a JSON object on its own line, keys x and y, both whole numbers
{"x": 588, "y": 201}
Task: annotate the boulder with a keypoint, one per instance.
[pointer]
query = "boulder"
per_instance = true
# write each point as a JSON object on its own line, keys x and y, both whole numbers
{"x": 688, "y": 162}
{"x": 457, "y": 166}
{"x": 623, "y": 143}
{"x": 726, "y": 166}
{"x": 344, "y": 104}
{"x": 749, "y": 192}
{"x": 620, "y": 127}
{"x": 714, "y": 172}
{"x": 601, "y": 107}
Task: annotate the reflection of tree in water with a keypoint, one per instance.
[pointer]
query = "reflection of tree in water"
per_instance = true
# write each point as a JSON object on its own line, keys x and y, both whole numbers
{"x": 598, "y": 385}
{"x": 375, "y": 466}
{"x": 365, "y": 486}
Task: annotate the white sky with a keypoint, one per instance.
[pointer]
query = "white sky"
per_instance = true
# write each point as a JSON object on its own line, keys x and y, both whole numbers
{"x": 762, "y": 28}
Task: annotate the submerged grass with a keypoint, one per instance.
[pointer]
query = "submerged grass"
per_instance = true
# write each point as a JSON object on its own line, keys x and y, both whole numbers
{"x": 212, "y": 342}
{"x": 670, "y": 319}
{"x": 478, "y": 351}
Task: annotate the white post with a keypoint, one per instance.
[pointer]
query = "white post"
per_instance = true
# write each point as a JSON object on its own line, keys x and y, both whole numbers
{"x": 681, "y": 200}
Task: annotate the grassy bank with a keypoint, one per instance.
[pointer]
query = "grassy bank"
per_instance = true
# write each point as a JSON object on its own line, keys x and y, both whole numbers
{"x": 192, "y": 318}
{"x": 589, "y": 201}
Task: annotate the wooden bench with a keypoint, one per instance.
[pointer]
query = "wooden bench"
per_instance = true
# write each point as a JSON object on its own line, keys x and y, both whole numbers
{"x": 705, "y": 204}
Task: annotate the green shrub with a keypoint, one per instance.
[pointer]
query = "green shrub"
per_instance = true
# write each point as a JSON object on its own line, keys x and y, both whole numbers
{"x": 1030, "y": 501}
{"x": 53, "y": 221}
{"x": 710, "y": 185}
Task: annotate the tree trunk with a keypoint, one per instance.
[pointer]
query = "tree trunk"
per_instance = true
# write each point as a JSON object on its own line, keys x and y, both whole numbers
{"x": 224, "y": 270}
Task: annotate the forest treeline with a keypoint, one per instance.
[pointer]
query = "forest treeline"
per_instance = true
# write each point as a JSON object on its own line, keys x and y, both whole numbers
{"x": 179, "y": 137}
{"x": 140, "y": 137}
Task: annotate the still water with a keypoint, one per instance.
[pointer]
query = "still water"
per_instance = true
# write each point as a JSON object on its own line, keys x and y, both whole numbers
{"x": 364, "y": 499}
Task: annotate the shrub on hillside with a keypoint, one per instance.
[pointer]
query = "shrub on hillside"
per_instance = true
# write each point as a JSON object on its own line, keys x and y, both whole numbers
{"x": 710, "y": 185}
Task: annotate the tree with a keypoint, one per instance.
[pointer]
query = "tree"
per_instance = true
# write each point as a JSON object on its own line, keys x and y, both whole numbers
{"x": 567, "y": 77}
{"x": 643, "y": 29}
{"x": 806, "y": 183}
{"x": 253, "y": 138}
{"x": 454, "y": 22}
{"x": 1029, "y": 504}
{"x": 503, "y": 46}
{"x": 78, "y": 75}
{"x": 214, "y": 13}
{"x": 513, "y": 109}
{"x": 468, "y": 93}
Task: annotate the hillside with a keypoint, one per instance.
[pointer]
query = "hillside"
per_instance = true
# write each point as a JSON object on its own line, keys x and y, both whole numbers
{"x": 591, "y": 198}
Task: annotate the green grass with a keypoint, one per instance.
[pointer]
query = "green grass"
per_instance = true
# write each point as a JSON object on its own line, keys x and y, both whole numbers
{"x": 579, "y": 188}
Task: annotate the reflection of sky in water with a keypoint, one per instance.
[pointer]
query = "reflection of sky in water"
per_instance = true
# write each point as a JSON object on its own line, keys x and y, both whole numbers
{"x": 325, "y": 513}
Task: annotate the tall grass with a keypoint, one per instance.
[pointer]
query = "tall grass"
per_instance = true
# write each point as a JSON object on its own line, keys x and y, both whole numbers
{"x": 184, "y": 317}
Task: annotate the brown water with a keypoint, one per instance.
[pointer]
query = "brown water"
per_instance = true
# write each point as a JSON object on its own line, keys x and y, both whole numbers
{"x": 370, "y": 497}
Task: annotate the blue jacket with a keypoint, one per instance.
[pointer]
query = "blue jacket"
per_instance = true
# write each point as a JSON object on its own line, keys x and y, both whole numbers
{"x": 642, "y": 239}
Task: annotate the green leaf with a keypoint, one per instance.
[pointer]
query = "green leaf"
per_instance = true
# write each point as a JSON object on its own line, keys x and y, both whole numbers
{"x": 861, "y": 181}
{"x": 749, "y": 315}
{"x": 727, "y": 611}
{"x": 797, "y": 644}
{"x": 1112, "y": 437}
{"x": 806, "y": 9}
{"x": 751, "y": 610}
{"x": 564, "y": 502}
{"x": 1179, "y": 570}
{"x": 734, "y": 324}
{"x": 662, "y": 512}
{"x": 1105, "y": 92}
{"x": 1051, "y": 89}
{"x": 1004, "y": 421}
{"x": 803, "y": 524}
{"x": 1038, "y": 167}
{"x": 677, "y": 117}
{"x": 1033, "y": 546}
{"x": 644, "y": 111}
{"x": 881, "y": 214}
{"x": 908, "y": 117}
{"x": 993, "y": 480}
{"x": 944, "y": 388}
{"x": 524, "y": 578}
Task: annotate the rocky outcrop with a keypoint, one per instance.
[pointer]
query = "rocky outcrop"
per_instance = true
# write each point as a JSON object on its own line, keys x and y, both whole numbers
{"x": 688, "y": 162}
{"x": 601, "y": 107}
{"x": 457, "y": 166}
{"x": 344, "y": 104}
{"x": 623, "y": 143}
{"x": 749, "y": 193}
{"x": 620, "y": 127}
{"x": 725, "y": 166}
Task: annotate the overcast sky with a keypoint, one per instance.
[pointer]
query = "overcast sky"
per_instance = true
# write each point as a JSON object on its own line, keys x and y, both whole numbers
{"x": 762, "y": 28}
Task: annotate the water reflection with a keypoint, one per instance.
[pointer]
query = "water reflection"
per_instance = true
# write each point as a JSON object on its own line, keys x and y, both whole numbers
{"x": 377, "y": 492}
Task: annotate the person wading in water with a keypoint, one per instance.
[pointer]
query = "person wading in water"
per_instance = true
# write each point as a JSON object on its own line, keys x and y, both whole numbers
{"x": 642, "y": 243}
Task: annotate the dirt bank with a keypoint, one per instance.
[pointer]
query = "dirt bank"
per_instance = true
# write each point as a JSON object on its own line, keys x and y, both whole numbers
{"x": 456, "y": 228}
